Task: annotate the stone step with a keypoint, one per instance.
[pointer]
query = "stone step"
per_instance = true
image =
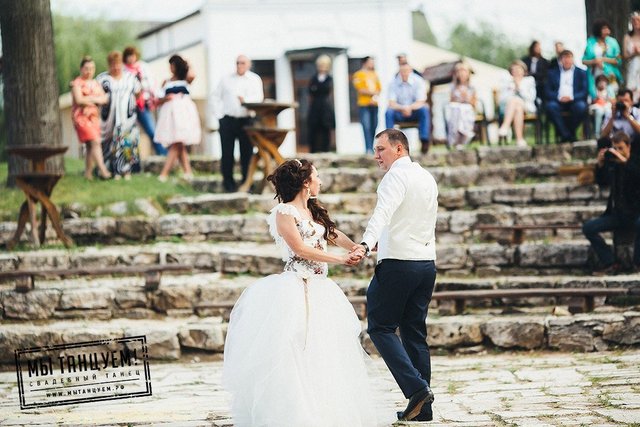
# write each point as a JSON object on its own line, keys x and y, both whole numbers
{"x": 364, "y": 180}
{"x": 481, "y": 156}
{"x": 548, "y": 258}
{"x": 169, "y": 338}
{"x": 458, "y": 226}
{"x": 104, "y": 298}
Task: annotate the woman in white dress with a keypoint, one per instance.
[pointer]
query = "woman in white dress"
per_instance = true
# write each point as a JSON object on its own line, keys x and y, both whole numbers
{"x": 178, "y": 119}
{"x": 517, "y": 98}
{"x": 292, "y": 353}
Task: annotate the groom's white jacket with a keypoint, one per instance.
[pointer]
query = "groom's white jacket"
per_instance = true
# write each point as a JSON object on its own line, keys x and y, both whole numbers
{"x": 404, "y": 220}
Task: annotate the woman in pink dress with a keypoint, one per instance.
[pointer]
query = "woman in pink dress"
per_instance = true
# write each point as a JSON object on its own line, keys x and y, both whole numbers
{"x": 87, "y": 94}
{"x": 178, "y": 118}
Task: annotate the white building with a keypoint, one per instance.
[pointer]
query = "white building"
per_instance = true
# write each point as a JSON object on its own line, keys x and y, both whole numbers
{"x": 283, "y": 38}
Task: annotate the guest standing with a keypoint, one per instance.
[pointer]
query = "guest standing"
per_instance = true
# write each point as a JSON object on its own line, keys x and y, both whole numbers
{"x": 321, "y": 119}
{"x": 367, "y": 84}
{"x": 178, "y": 118}
{"x": 602, "y": 55}
{"x": 235, "y": 89}
{"x": 145, "y": 102}
{"x": 119, "y": 131}
{"x": 537, "y": 67}
{"x": 87, "y": 95}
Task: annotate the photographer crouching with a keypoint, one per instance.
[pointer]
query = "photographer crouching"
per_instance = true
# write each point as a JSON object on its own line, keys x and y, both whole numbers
{"x": 624, "y": 116}
{"x": 618, "y": 166}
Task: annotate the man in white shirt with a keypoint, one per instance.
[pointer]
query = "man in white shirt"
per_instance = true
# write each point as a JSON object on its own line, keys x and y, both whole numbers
{"x": 234, "y": 90}
{"x": 408, "y": 103}
{"x": 566, "y": 91}
{"x": 624, "y": 116}
{"x": 403, "y": 227}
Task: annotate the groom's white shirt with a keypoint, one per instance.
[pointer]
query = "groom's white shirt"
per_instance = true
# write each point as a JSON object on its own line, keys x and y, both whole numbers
{"x": 404, "y": 219}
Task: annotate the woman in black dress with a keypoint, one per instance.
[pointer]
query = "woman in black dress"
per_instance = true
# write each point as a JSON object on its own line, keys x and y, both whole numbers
{"x": 321, "y": 119}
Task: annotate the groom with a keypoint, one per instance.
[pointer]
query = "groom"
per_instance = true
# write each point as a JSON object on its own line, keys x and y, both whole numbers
{"x": 403, "y": 227}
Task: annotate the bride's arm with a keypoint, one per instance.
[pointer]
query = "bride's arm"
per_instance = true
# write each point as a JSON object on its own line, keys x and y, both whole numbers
{"x": 286, "y": 225}
{"x": 343, "y": 241}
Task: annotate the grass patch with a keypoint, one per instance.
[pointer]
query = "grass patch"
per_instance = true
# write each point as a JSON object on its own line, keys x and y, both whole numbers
{"x": 73, "y": 188}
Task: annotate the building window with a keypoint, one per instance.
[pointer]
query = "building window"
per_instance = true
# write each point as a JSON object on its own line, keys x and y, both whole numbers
{"x": 266, "y": 69}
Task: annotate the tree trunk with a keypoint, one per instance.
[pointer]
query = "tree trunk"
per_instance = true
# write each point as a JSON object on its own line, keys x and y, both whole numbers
{"x": 616, "y": 12}
{"x": 30, "y": 85}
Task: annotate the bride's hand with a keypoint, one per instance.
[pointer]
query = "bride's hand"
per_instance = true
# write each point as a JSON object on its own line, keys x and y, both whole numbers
{"x": 352, "y": 258}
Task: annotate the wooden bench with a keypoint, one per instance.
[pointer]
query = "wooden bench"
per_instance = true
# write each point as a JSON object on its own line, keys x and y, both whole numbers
{"x": 585, "y": 296}
{"x": 518, "y": 230}
{"x": 25, "y": 279}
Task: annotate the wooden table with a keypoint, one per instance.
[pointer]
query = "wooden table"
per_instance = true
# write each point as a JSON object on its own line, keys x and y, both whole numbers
{"x": 37, "y": 186}
{"x": 266, "y": 136}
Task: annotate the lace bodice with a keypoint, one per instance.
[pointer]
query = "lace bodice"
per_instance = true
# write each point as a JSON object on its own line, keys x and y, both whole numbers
{"x": 312, "y": 234}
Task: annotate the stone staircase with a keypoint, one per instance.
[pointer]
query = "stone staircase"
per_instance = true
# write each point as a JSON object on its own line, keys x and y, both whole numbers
{"x": 225, "y": 238}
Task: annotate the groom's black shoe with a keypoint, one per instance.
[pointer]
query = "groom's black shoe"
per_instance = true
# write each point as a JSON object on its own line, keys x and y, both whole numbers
{"x": 426, "y": 414}
{"x": 416, "y": 402}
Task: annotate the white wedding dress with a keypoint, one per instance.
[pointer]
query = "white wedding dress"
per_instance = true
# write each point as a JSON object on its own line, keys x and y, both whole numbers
{"x": 292, "y": 354}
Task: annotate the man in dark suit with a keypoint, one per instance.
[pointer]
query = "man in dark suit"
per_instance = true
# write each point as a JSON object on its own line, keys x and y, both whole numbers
{"x": 566, "y": 91}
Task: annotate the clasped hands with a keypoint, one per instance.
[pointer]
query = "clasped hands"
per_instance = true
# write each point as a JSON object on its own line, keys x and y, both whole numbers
{"x": 355, "y": 256}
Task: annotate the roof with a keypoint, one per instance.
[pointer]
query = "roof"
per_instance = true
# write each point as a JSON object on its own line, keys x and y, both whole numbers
{"x": 164, "y": 25}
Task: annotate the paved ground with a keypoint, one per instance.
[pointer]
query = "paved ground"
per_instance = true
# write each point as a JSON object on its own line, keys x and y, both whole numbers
{"x": 523, "y": 389}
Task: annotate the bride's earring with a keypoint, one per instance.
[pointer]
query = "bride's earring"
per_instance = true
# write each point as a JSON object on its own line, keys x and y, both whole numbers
{"x": 308, "y": 192}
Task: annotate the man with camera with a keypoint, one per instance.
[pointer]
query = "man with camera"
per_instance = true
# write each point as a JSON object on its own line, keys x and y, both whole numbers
{"x": 617, "y": 167}
{"x": 624, "y": 116}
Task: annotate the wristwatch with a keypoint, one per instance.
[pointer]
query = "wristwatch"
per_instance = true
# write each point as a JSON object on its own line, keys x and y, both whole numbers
{"x": 367, "y": 252}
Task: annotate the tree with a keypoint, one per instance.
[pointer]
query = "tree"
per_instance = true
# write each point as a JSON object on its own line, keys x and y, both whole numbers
{"x": 485, "y": 44}
{"x": 30, "y": 90}
{"x": 616, "y": 12}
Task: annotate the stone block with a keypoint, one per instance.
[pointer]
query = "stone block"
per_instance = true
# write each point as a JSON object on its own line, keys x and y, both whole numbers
{"x": 205, "y": 335}
{"x": 175, "y": 297}
{"x": 462, "y": 221}
{"x": 452, "y": 199}
{"x": 490, "y": 255}
{"x": 459, "y": 177}
{"x": 86, "y": 298}
{"x": 15, "y": 337}
{"x": 89, "y": 227}
{"x": 461, "y": 158}
{"x": 131, "y": 298}
{"x": 451, "y": 257}
{"x": 138, "y": 229}
{"x": 479, "y": 196}
{"x": 454, "y": 331}
{"x": 510, "y": 154}
{"x": 497, "y": 175}
{"x": 210, "y": 203}
{"x": 549, "y": 192}
{"x": 520, "y": 333}
{"x": 162, "y": 339}
{"x": 579, "y": 333}
{"x": 571, "y": 254}
{"x": 513, "y": 195}
{"x": 626, "y": 332}
{"x": 33, "y": 305}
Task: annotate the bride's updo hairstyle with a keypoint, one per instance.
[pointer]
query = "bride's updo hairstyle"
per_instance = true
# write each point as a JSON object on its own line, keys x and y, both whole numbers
{"x": 289, "y": 179}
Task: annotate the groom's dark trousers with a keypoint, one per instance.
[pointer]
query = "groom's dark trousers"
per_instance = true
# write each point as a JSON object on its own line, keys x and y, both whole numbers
{"x": 398, "y": 297}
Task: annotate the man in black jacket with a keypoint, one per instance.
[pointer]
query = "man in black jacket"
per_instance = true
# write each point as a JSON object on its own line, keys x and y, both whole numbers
{"x": 619, "y": 168}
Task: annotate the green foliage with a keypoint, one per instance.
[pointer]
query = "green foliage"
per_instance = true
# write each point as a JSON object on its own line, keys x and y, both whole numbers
{"x": 421, "y": 29}
{"x": 485, "y": 44}
{"x": 77, "y": 37}
{"x": 3, "y": 136}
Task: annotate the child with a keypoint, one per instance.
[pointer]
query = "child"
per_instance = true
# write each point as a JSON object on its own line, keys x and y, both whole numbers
{"x": 601, "y": 105}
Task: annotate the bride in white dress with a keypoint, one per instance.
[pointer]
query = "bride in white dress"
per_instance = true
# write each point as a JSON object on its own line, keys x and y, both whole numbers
{"x": 292, "y": 353}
